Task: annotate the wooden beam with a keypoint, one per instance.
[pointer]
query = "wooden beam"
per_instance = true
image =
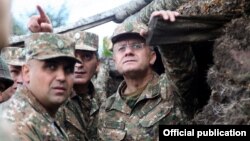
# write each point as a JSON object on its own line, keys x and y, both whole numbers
{"x": 185, "y": 29}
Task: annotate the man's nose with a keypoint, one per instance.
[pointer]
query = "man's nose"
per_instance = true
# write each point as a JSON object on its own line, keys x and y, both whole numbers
{"x": 19, "y": 79}
{"x": 128, "y": 50}
{"x": 78, "y": 66}
{"x": 61, "y": 74}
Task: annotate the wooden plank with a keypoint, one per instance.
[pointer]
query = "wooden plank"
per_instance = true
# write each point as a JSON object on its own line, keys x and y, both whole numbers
{"x": 185, "y": 29}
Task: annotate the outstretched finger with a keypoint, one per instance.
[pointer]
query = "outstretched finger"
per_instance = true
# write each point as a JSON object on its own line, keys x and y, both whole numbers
{"x": 41, "y": 11}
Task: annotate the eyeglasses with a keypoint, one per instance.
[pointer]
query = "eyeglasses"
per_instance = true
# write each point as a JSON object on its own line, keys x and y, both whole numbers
{"x": 122, "y": 48}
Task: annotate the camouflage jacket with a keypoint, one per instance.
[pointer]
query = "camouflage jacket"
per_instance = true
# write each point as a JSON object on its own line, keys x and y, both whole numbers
{"x": 159, "y": 103}
{"x": 156, "y": 5}
{"x": 79, "y": 116}
{"x": 29, "y": 119}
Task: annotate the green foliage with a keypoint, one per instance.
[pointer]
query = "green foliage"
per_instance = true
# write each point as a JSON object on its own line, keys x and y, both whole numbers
{"x": 106, "y": 47}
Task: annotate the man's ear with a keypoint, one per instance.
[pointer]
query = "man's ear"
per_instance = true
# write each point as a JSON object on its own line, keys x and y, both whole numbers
{"x": 26, "y": 73}
{"x": 152, "y": 58}
{"x": 113, "y": 58}
{"x": 97, "y": 66}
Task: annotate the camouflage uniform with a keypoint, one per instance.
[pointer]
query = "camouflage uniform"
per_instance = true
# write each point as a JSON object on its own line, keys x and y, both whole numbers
{"x": 79, "y": 115}
{"x": 5, "y": 132}
{"x": 29, "y": 118}
{"x": 158, "y": 103}
{"x": 90, "y": 104}
{"x": 156, "y": 5}
{"x": 13, "y": 55}
{"x": 71, "y": 119}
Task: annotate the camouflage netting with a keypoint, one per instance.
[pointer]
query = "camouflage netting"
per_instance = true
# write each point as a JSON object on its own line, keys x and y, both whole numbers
{"x": 107, "y": 79}
{"x": 200, "y": 91}
{"x": 115, "y": 78}
{"x": 229, "y": 78}
{"x": 231, "y": 9}
{"x": 194, "y": 7}
{"x": 215, "y": 7}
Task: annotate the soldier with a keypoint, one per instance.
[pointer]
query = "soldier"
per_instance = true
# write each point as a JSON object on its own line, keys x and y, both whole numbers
{"x": 80, "y": 112}
{"x": 144, "y": 99}
{"x": 5, "y": 82}
{"x": 14, "y": 57}
{"x": 5, "y": 78}
{"x": 79, "y": 115}
{"x": 48, "y": 81}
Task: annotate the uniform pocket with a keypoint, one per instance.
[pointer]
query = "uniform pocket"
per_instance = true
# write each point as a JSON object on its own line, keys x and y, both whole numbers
{"x": 155, "y": 115}
{"x": 112, "y": 131}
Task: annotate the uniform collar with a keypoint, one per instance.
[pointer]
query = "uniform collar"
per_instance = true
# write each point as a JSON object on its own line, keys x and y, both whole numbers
{"x": 92, "y": 93}
{"x": 151, "y": 91}
{"x": 26, "y": 93}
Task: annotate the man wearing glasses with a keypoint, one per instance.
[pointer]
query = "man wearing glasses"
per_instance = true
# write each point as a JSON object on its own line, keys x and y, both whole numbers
{"x": 144, "y": 99}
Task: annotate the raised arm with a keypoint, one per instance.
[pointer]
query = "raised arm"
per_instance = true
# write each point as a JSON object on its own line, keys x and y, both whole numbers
{"x": 41, "y": 22}
{"x": 178, "y": 59}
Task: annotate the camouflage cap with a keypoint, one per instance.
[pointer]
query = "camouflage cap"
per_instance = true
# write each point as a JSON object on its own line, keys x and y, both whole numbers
{"x": 86, "y": 41}
{"x": 13, "y": 55}
{"x": 43, "y": 46}
{"x": 5, "y": 74}
{"x": 128, "y": 28}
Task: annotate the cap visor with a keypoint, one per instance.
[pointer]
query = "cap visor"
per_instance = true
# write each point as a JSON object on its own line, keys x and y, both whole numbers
{"x": 7, "y": 82}
{"x": 58, "y": 56}
{"x": 126, "y": 35}
{"x": 85, "y": 47}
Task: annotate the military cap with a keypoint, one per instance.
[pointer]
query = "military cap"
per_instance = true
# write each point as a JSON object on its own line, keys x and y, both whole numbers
{"x": 43, "y": 46}
{"x": 13, "y": 55}
{"x": 86, "y": 41}
{"x": 128, "y": 29}
{"x": 5, "y": 74}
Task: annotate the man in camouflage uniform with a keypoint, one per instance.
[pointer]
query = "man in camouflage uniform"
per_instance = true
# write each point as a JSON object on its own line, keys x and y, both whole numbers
{"x": 80, "y": 112}
{"x": 5, "y": 78}
{"x": 144, "y": 99}
{"x": 14, "y": 57}
{"x": 48, "y": 81}
{"x": 5, "y": 82}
